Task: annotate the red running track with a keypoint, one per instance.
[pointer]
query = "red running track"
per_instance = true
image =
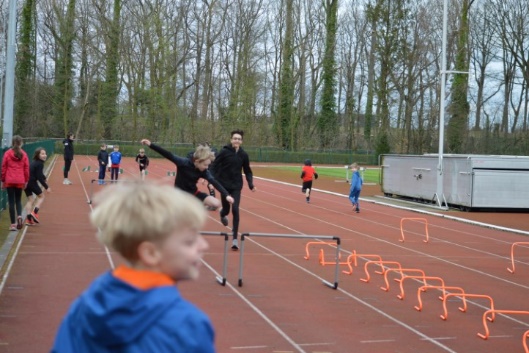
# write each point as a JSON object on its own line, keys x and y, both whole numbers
{"x": 283, "y": 305}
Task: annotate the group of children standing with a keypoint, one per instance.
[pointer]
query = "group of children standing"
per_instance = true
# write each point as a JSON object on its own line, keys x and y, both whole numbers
{"x": 111, "y": 162}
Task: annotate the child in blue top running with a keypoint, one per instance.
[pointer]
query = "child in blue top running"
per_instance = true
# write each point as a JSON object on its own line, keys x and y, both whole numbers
{"x": 356, "y": 187}
{"x": 115, "y": 158}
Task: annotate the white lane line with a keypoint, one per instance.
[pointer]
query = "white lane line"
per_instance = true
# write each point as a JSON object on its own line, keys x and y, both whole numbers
{"x": 258, "y": 311}
{"x": 359, "y": 300}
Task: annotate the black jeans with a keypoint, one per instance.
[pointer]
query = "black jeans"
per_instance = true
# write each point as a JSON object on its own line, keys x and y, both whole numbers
{"x": 236, "y": 194}
{"x": 67, "y": 165}
{"x": 14, "y": 198}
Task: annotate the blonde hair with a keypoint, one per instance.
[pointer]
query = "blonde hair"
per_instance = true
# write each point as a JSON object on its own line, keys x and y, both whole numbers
{"x": 202, "y": 153}
{"x": 128, "y": 214}
{"x": 354, "y": 165}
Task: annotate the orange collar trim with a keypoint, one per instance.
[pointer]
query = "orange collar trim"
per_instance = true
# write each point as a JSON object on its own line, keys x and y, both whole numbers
{"x": 142, "y": 279}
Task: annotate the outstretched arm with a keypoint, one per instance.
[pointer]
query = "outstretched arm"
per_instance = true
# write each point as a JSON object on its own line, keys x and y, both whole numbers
{"x": 164, "y": 153}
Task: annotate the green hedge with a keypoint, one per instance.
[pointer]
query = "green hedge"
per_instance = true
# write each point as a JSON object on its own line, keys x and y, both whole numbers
{"x": 257, "y": 154}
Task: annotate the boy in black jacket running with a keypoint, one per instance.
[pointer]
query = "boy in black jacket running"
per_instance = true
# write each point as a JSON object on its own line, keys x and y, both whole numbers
{"x": 190, "y": 170}
{"x": 227, "y": 170}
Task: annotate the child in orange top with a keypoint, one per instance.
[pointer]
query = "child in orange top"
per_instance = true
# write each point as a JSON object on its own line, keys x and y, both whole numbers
{"x": 137, "y": 307}
{"x": 307, "y": 174}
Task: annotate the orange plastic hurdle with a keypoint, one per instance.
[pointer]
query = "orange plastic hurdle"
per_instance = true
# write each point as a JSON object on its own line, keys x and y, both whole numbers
{"x": 463, "y": 309}
{"x": 512, "y": 253}
{"x": 424, "y": 278}
{"x": 381, "y": 263}
{"x": 493, "y": 311}
{"x": 443, "y": 287}
{"x": 424, "y": 220}
{"x": 524, "y": 341}
{"x": 307, "y": 256}
{"x": 353, "y": 258}
{"x": 401, "y": 270}
{"x": 323, "y": 262}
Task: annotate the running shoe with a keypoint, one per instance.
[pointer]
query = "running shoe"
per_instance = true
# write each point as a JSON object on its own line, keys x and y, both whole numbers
{"x": 19, "y": 222}
{"x": 13, "y": 227}
{"x": 235, "y": 245}
{"x": 34, "y": 217}
{"x": 29, "y": 222}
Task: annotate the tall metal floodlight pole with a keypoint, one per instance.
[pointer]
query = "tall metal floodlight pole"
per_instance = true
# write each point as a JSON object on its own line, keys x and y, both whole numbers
{"x": 440, "y": 192}
{"x": 10, "y": 75}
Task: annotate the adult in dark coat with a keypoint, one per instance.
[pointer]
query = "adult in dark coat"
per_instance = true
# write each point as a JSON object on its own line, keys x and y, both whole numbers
{"x": 227, "y": 168}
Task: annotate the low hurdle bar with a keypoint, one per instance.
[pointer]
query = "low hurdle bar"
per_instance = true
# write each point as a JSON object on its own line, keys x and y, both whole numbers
{"x": 463, "y": 309}
{"x": 492, "y": 312}
{"x": 512, "y": 253}
{"x": 424, "y": 278}
{"x": 307, "y": 253}
{"x": 353, "y": 259}
{"x": 221, "y": 280}
{"x": 383, "y": 269}
{"x": 401, "y": 270}
{"x": 293, "y": 236}
{"x": 524, "y": 341}
{"x": 423, "y": 220}
{"x": 442, "y": 298}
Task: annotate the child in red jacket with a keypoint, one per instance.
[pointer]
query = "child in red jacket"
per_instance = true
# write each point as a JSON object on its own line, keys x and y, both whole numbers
{"x": 307, "y": 174}
{"x": 15, "y": 177}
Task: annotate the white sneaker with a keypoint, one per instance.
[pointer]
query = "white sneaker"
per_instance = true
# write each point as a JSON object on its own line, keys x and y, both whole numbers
{"x": 67, "y": 182}
{"x": 235, "y": 245}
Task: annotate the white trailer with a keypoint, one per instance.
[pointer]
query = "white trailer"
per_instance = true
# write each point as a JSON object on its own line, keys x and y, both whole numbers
{"x": 469, "y": 181}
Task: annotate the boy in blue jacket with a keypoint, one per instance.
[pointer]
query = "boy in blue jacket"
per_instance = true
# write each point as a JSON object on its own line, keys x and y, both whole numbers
{"x": 137, "y": 308}
{"x": 356, "y": 187}
{"x": 115, "y": 159}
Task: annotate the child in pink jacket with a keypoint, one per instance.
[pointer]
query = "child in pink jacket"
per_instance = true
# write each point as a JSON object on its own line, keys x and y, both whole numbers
{"x": 15, "y": 177}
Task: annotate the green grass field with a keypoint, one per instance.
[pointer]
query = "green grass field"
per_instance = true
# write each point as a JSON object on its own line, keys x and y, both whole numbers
{"x": 370, "y": 175}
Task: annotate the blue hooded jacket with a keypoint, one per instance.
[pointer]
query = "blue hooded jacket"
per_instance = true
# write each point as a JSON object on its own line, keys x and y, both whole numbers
{"x": 113, "y": 316}
{"x": 356, "y": 181}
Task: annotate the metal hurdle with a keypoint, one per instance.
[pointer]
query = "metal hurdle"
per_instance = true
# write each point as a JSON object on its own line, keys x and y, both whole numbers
{"x": 270, "y": 235}
{"x": 221, "y": 280}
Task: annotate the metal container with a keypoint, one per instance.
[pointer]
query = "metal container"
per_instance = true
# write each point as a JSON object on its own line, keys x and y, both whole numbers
{"x": 469, "y": 181}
